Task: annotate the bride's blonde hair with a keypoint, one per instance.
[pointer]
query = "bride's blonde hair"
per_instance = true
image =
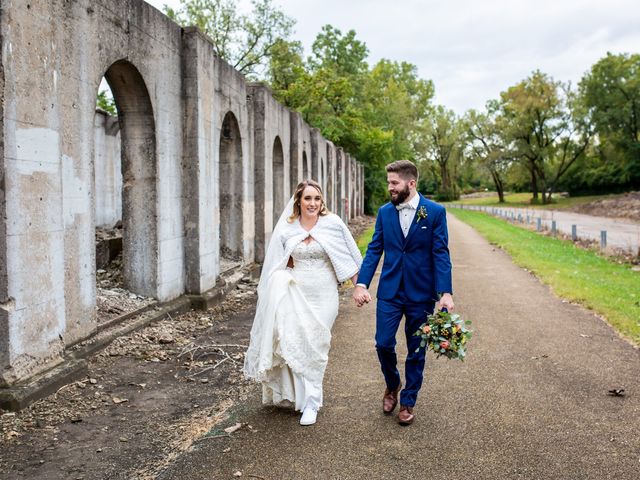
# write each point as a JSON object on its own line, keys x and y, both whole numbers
{"x": 297, "y": 196}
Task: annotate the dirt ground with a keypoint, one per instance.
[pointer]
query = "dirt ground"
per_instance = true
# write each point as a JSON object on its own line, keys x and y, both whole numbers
{"x": 147, "y": 397}
{"x": 624, "y": 206}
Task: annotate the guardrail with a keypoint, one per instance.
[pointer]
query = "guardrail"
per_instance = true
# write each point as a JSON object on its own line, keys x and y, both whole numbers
{"x": 614, "y": 233}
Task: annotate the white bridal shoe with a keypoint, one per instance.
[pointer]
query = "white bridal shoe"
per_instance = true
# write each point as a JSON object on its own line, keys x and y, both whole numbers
{"x": 309, "y": 415}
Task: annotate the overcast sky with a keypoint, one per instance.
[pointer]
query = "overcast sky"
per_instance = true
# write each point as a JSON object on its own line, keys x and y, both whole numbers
{"x": 474, "y": 49}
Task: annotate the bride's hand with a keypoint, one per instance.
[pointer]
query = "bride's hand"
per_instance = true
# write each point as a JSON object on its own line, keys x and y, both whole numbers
{"x": 361, "y": 295}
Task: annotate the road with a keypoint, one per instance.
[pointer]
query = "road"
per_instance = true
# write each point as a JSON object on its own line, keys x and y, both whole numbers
{"x": 622, "y": 234}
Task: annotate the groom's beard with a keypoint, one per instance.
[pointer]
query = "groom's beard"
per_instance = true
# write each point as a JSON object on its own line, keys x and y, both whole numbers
{"x": 400, "y": 196}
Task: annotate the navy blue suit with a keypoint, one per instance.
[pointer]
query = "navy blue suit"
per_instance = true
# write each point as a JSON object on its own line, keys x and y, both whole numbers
{"x": 415, "y": 271}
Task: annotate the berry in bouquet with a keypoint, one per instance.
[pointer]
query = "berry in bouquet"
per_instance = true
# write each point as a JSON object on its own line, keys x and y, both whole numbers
{"x": 446, "y": 334}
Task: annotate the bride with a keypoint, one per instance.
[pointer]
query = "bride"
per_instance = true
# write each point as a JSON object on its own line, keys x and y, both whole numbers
{"x": 310, "y": 251}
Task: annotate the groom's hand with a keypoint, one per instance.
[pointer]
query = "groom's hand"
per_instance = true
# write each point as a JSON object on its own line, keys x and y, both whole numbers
{"x": 446, "y": 301}
{"x": 361, "y": 295}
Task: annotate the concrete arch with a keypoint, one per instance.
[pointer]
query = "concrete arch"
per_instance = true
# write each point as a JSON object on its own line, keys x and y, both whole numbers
{"x": 139, "y": 174}
{"x": 278, "y": 179}
{"x": 231, "y": 190}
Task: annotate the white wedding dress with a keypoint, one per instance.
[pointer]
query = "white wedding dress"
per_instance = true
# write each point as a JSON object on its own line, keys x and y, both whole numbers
{"x": 303, "y": 320}
{"x": 291, "y": 333}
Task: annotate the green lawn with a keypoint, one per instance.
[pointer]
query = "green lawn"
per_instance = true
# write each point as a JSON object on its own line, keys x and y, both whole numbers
{"x": 524, "y": 200}
{"x": 579, "y": 275}
{"x": 364, "y": 239}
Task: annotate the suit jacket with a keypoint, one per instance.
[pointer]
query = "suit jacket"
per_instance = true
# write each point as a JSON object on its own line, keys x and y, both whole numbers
{"x": 420, "y": 262}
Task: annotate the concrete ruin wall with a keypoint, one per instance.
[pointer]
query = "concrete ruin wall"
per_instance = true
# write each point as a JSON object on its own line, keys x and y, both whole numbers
{"x": 196, "y": 144}
{"x": 108, "y": 176}
{"x": 271, "y": 154}
{"x": 301, "y": 167}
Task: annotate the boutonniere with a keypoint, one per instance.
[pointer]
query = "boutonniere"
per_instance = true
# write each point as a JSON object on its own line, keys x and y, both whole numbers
{"x": 421, "y": 214}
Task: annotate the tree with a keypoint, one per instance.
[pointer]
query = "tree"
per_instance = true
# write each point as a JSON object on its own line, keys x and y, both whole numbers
{"x": 488, "y": 146}
{"x": 441, "y": 143}
{"x": 287, "y": 74}
{"x": 106, "y": 102}
{"x": 374, "y": 113}
{"x": 245, "y": 41}
{"x": 546, "y": 129}
{"x": 397, "y": 100}
{"x": 610, "y": 92}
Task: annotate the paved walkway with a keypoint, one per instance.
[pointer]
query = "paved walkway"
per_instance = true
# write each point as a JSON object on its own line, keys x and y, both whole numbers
{"x": 622, "y": 234}
{"x": 529, "y": 403}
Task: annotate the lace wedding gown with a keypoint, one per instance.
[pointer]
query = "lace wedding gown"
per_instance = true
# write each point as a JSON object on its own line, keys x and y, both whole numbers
{"x": 306, "y": 305}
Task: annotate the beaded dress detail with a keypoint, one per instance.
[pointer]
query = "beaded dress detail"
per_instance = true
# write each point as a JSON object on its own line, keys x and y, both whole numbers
{"x": 303, "y": 319}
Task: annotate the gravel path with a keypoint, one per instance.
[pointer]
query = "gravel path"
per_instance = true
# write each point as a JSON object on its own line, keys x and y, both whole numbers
{"x": 529, "y": 403}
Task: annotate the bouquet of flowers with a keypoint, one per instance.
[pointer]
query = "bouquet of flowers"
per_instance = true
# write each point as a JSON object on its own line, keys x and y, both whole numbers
{"x": 444, "y": 333}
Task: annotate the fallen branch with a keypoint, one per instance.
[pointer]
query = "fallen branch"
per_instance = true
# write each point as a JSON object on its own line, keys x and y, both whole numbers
{"x": 210, "y": 368}
{"x": 203, "y": 347}
{"x": 206, "y": 437}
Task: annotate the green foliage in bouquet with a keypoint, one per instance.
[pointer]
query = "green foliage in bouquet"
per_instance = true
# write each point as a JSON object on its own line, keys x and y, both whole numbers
{"x": 445, "y": 334}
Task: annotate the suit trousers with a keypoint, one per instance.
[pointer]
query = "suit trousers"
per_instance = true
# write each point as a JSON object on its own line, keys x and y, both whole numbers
{"x": 389, "y": 313}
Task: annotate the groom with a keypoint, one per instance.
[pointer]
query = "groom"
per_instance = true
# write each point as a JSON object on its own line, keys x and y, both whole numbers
{"x": 411, "y": 231}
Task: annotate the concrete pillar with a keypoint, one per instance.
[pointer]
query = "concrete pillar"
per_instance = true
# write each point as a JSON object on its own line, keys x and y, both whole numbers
{"x": 108, "y": 171}
{"x": 330, "y": 191}
{"x": 341, "y": 193}
{"x": 348, "y": 187}
{"x": 295, "y": 151}
{"x": 271, "y": 131}
{"x": 362, "y": 189}
{"x": 199, "y": 175}
{"x": 316, "y": 168}
{"x": 352, "y": 187}
{"x": 234, "y": 147}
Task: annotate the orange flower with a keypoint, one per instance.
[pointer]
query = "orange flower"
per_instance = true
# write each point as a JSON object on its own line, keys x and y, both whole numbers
{"x": 426, "y": 329}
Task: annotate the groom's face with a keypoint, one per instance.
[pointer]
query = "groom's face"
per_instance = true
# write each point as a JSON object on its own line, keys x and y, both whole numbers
{"x": 398, "y": 188}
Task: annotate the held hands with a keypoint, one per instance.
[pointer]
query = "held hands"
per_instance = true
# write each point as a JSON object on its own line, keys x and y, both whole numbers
{"x": 446, "y": 301}
{"x": 361, "y": 295}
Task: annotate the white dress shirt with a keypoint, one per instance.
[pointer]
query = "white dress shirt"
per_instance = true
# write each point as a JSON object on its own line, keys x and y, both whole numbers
{"x": 407, "y": 212}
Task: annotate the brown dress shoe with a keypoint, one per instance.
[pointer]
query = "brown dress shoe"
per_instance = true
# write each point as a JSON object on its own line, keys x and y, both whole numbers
{"x": 390, "y": 400}
{"x": 406, "y": 415}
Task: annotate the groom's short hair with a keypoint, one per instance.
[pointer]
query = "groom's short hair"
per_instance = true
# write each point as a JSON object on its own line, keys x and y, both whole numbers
{"x": 405, "y": 169}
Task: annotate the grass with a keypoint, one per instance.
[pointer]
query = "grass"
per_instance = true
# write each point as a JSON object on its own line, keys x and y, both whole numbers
{"x": 579, "y": 275}
{"x": 364, "y": 239}
{"x": 524, "y": 200}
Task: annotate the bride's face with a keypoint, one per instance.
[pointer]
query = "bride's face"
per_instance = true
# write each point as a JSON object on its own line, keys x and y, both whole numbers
{"x": 310, "y": 202}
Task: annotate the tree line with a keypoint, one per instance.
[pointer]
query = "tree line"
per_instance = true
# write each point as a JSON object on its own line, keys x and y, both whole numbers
{"x": 541, "y": 135}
